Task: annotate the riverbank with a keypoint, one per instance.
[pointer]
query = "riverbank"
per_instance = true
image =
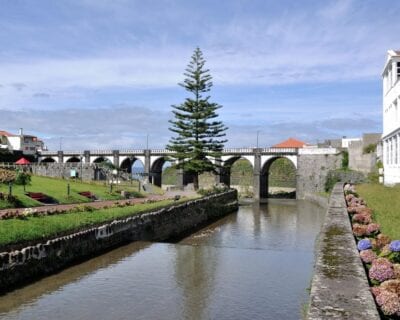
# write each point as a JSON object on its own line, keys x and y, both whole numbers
{"x": 23, "y": 265}
{"x": 339, "y": 288}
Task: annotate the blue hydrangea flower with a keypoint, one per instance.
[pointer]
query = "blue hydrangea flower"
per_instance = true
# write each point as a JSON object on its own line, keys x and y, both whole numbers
{"x": 395, "y": 245}
{"x": 365, "y": 244}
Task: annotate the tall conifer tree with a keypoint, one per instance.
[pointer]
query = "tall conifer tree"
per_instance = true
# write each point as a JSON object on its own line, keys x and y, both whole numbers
{"x": 198, "y": 134}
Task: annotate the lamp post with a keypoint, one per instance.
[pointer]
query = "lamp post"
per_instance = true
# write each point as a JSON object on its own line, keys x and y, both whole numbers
{"x": 258, "y": 133}
{"x": 81, "y": 158}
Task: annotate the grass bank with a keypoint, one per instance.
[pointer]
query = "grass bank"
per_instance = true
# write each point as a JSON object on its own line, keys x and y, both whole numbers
{"x": 57, "y": 189}
{"x": 34, "y": 229}
{"x": 385, "y": 202}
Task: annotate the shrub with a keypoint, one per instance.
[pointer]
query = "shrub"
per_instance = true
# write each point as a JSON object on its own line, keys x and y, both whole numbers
{"x": 7, "y": 176}
{"x": 22, "y": 178}
{"x": 331, "y": 180}
{"x": 369, "y": 148}
{"x": 345, "y": 160}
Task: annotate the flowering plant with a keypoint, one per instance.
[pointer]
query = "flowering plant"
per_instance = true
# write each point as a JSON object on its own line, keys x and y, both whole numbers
{"x": 381, "y": 270}
{"x": 380, "y": 241}
{"x": 359, "y": 230}
{"x": 364, "y": 244}
{"x": 389, "y": 302}
{"x": 363, "y": 218}
{"x": 395, "y": 245}
{"x": 373, "y": 228}
{"x": 367, "y": 256}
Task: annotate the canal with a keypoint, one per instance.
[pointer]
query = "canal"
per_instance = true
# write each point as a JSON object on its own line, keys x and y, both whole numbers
{"x": 253, "y": 264}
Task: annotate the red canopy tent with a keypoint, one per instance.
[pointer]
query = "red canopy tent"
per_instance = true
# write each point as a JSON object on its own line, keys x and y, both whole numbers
{"x": 23, "y": 161}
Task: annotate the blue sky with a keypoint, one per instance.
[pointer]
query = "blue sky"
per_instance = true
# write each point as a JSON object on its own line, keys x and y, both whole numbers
{"x": 103, "y": 74}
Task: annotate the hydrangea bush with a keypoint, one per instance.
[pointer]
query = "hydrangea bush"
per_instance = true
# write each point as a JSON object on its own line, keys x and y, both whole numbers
{"x": 378, "y": 252}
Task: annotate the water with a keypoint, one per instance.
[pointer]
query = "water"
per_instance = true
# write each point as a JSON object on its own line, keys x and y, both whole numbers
{"x": 253, "y": 264}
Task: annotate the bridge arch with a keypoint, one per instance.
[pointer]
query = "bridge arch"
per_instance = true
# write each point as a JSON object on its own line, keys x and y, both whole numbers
{"x": 129, "y": 163}
{"x": 48, "y": 160}
{"x": 265, "y": 172}
{"x": 73, "y": 159}
{"x": 101, "y": 160}
{"x": 228, "y": 168}
{"x": 156, "y": 169}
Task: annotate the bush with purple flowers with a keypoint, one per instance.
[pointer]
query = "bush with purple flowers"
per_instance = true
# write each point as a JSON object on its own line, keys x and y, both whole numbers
{"x": 364, "y": 244}
{"x": 395, "y": 245}
{"x": 367, "y": 256}
{"x": 381, "y": 270}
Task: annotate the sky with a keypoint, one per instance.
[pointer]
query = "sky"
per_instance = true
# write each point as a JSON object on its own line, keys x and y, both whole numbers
{"x": 96, "y": 74}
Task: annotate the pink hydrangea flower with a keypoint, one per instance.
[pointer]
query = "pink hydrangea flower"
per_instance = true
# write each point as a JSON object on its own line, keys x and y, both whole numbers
{"x": 363, "y": 218}
{"x": 373, "y": 228}
{"x": 389, "y": 302}
{"x": 392, "y": 285}
{"x": 367, "y": 256}
{"x": 381, "y": 270}
{"x": 359, "y": 230}
{"x": 396, "y": 269}
{"x": 376, "y": 291}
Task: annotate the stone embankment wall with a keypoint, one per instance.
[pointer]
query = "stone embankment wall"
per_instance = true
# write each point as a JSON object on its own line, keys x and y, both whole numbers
{"x": 312, "y": 171}
{"x": 63, "y": 170}
{"x": 319, "y": 200}
{"x": 172, "y": 222}
{"x": 339, "y": 288}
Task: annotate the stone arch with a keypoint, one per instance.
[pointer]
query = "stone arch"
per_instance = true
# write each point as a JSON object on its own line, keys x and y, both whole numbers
{"x": 225, "y": 170}
{"x": 156, "y": 171}
{"x": 73, "y": 159}
{"x": 101, "y": 159}
{"x": 48, "y": 160}
{"x": 264, "y": 173}
{"x": 128, "y": 163}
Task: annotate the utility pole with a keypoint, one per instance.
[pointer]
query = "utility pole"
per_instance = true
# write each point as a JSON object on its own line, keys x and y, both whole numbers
{"x": 258, "y": 132}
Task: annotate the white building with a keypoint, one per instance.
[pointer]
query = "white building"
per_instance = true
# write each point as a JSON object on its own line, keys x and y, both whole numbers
{"x": 391, "y": 118}
{"x": 28, "y": 144}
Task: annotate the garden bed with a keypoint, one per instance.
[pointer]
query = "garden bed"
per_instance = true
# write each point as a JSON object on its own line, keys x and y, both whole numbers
{"x": 380, "y": 255}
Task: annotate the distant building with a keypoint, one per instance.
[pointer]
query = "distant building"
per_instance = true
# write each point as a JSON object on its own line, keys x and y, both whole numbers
{"x": 28, "y": 144}
{"x": 391, "y": 118}
{"x": 363, "y": 152}
{"x": 290, "y": 143}
{"x": 342, "y": 143}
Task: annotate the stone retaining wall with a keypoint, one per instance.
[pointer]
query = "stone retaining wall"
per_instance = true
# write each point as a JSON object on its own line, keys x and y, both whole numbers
{"x": 320, "y": 200}
{"x": 339, "y": 287}
{"x": 35, "y": 261}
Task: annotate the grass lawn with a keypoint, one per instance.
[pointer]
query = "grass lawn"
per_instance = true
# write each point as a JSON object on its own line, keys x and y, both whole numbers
{"x": 57, "y": 189}
{"x": 385, "y": 202}
{"x": 14, "y": 231}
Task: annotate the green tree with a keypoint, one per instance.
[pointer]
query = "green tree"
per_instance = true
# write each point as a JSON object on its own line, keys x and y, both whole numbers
{"x": 198, "y": 134}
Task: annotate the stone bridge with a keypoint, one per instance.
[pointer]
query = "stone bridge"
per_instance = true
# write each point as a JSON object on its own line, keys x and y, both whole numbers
{"x": 311, "y": 164}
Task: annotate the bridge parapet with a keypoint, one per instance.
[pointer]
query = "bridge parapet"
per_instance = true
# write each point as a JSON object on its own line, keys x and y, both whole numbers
{"x": 161, "y": 151}
{"x": 99, "y": 152}
{"x": 238, "y": 150}
{"x": 48, "y": 153}
{"x": 279, "y": 150}
{"x": 73, "y": 153}
{"x": 131, "y": 151}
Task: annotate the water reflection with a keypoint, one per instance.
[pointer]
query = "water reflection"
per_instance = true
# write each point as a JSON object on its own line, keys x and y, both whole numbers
{"x": 254, "y": 264}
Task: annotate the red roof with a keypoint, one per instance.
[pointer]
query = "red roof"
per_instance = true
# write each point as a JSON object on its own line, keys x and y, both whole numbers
{"x": 290, "y": 143}
{"x": 22, "y": 161}
{"x": 5, "y": 133}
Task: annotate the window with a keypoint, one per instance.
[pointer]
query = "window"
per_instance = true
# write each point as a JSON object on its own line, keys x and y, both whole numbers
{"x": 398, "y": 70}
{"x": 387, "y": 151}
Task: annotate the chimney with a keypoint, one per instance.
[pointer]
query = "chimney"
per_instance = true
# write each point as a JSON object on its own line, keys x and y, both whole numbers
{"x": 21, "y": 131}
